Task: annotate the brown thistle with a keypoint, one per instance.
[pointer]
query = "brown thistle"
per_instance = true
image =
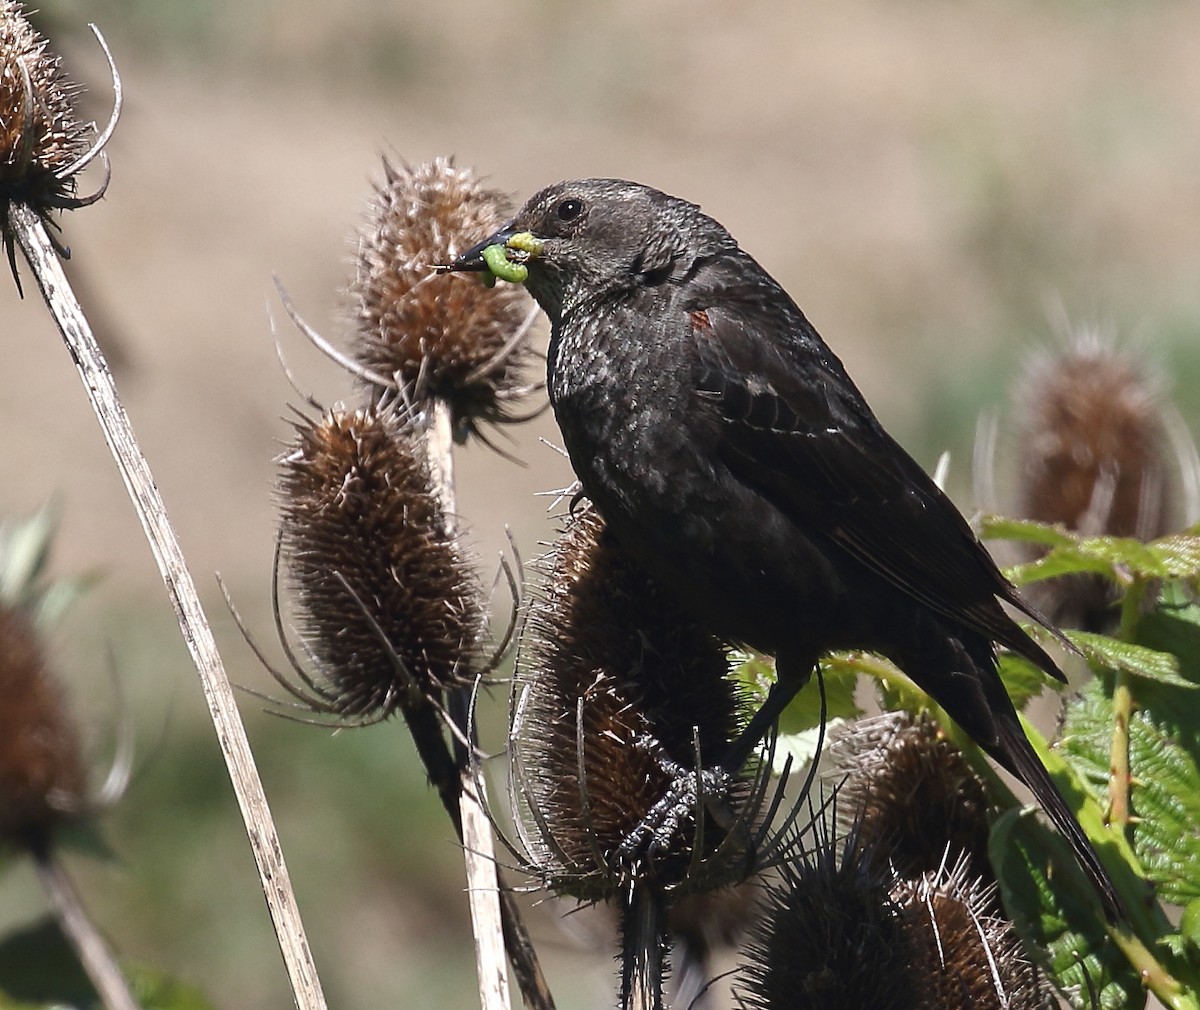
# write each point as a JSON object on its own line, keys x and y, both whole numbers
{"x": 830, "y": 937}
{"x": 43, "y": 145}
{"x": 42, "y": 778}
{"x": 915, "y": 802}
{"x": 386, "y": 600}
{"x": 619, "y": 697}
{"x": 964, "y": 954}
{"x": 1097, "y": 456}
{"x": 439, "y": 336}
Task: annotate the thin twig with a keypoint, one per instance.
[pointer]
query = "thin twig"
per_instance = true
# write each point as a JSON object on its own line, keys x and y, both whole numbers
{"x": 94, "y": 955}
{"x": 139, "y": 483}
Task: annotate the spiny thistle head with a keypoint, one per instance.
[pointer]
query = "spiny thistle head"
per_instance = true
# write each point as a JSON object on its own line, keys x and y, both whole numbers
{"x": 42, "y": 777}
{"x": 964, "y": 954}
{"x": 1093, "y": 442}
{"x": 386, "y": 599}
{"x": 830, "y": 937}
{"x": 442, "y": 336}
{"x": 616, "y": 690}
{"x": 1097, "y": 457}
{"x": 40, "y": 136}
{"x": 915, "y": 800}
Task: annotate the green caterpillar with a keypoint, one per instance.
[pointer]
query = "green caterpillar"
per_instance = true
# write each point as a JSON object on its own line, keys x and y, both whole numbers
{"x": 499, "y": 266}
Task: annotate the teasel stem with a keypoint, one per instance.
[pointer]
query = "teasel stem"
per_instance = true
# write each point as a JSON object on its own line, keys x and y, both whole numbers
{"x": 39, "y": 251}
{"x": 496, "y": 920}
{"x": 93, "y": 952}
{"x": 1120, "y": 776}
{"x": 644, "y": 938}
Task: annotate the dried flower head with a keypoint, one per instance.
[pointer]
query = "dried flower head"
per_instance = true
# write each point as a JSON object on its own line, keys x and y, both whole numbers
{"x": 916, "y": 802}
{"x": 1097, "y": 456}
{"x": 42, "y": 778}
{"x": 442, "y": 336}
{"x": 965, "y": 955}
{"x": 386, "y": 599}
{"x": 40, "y": 137}
{"x": 830, "y": 937}
{"x": 616, "y": 691}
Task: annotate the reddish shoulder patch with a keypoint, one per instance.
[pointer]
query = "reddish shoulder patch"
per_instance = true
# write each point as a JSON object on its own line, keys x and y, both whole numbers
{"x": 700, "y": 321}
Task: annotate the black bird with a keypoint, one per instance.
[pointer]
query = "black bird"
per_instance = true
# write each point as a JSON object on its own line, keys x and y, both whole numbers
{"x": 725, "y": 445}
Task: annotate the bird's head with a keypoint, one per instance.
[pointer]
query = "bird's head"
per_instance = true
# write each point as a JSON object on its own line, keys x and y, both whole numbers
{"x": 594, "y": 238}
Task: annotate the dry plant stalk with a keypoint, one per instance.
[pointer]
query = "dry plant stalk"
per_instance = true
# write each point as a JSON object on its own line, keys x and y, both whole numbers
{"x": 27, "y": 207}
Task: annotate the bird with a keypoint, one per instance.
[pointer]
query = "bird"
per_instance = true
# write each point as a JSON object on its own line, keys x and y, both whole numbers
{"x": 727, "y": 448}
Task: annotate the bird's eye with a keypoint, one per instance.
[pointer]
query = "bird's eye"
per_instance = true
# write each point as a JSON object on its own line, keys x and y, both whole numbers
{"x": 570, "y": 209}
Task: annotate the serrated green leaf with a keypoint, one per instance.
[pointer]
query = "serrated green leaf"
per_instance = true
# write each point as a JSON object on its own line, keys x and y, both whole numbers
{"x": 1139, "y": 660}
{"x": 757, "y": 673}
{"x": 1058, "y": 562}
{"x": 1022, "y": 679}
{"x": 993, "y": 527}
{"x": 1165, "y": 793}
{"x": 1044, "y": 892}
{"x": 1179, "y": 554}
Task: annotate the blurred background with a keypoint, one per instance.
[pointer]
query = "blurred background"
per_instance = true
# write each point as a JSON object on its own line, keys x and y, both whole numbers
{"x": 938, "y": 184}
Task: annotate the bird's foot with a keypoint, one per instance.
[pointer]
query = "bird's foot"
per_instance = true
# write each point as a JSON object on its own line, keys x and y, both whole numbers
{"x": 680, "y": 809}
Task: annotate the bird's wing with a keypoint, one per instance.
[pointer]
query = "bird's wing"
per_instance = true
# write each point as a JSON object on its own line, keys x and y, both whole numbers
{"x": 797, "y": 430}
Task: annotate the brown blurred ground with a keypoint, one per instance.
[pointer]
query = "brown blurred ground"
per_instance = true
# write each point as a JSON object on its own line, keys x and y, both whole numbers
{"x": 929, "y": 179}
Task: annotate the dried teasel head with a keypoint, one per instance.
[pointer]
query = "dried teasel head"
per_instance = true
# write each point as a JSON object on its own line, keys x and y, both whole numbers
{"x": 42, "y": 777}
{"x": 1101, "y": 452}
{"x": 965, "y": 955}
{"x": 914, "y": 800}
{"x": 440, "y": 336}
{"x": 386, "y": 600}
{"x": 619, "y": 699}
{"x": 830, "y": 937}
{"x": 43, "y": 145}
{"x": 40, "y": 136}
{"x": 1094, "y": 443}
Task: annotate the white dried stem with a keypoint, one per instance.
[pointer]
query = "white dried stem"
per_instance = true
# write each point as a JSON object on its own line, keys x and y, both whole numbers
{"x": 139, "y": 482}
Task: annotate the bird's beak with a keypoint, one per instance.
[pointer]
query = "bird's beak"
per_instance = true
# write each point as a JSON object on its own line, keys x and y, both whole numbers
{"x": 503, "y": 255}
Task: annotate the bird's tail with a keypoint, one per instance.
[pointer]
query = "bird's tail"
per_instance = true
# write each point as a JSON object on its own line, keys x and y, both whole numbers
{"x": 1014, "y": 751}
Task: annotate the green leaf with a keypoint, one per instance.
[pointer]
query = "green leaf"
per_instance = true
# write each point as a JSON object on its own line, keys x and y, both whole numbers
{"x": 1056, "y": 916}
{"x": 804, "y": 712}
{"x": 39, "y": 971}
{"x": 1022, "y": 679}
{"x": 1112, "y": 654}
{"x": 1165, "y": 793}
{"x": 1028, "y": 531}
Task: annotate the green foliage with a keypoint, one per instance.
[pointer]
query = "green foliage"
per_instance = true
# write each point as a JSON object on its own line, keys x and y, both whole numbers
{"x": 1146, "y": 677}
{"x": 1059, "y": 920}
{"x": 40, "y": 971}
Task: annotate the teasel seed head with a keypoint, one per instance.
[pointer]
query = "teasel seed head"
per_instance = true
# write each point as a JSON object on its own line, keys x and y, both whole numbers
{"x": 42, "y": 777}
{"x": 1101, "y": 453}
{"x": 40, "y": 136}
{"x": 1093, "y": 442}
{"x": 440, "y": 336}
{"x": 386, "y": 599}
{"x": 830, "y": 936}
{"x": 915, "y": 801}
{"x": 616, "y": 689}
{"x": 965, "y": 955}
